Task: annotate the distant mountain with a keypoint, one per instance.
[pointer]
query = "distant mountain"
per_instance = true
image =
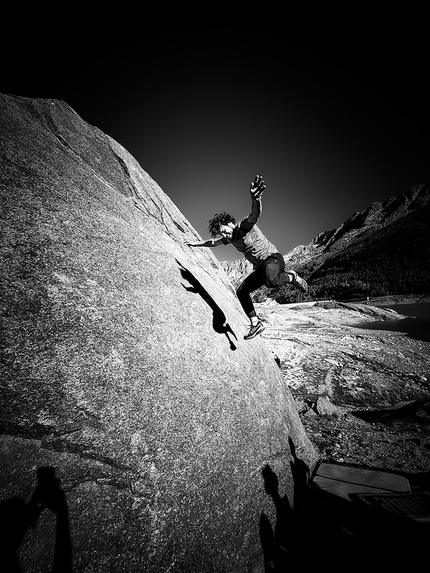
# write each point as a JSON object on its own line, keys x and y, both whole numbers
{"x": 384, "y": 249}
{"x": 237, "y": 270}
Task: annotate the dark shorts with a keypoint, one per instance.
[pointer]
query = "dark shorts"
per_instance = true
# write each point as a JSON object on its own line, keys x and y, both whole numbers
{"x": 270, "y": 272}
{"x": 272, "y": 267}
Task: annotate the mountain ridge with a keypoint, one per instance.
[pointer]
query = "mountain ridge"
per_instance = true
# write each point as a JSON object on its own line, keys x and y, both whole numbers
{"x": 376, "y": 215}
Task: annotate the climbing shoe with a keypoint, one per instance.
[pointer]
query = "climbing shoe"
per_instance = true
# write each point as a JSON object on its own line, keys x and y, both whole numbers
{"x": 298, "y": 282}
{"x": 254, "y": 330}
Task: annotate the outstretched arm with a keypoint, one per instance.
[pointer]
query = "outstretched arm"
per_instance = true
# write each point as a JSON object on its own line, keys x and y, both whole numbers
{"x": 208, "y": 243}
{"x": 256, "y": 191}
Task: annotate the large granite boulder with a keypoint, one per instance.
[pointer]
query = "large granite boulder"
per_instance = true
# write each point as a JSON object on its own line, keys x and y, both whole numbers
{"x": 124, "y": 373}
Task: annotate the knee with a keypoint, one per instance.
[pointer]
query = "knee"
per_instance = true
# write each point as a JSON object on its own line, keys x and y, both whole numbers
{"x": 272, "y": 282}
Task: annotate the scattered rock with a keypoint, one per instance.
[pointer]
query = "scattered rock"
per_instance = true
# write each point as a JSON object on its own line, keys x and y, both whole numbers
{"x": 357, "y": 371}
{"x": 324, "y": 407}
{"x": 301, "y": 405}
{"x": 310, "y": 413}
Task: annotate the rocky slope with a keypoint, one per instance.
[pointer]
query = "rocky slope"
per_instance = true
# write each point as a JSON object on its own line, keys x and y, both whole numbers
{"x": 363, "y": 395}
{"x": 383, "y": 250}
{"x": 135, "y": 419}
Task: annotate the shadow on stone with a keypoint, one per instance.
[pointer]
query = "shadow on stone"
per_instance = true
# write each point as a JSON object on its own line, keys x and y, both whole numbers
{"x": 395, "y": 412}
{"x": 322, "y": 530}
{"x": 16, "y": 518}
{"x": 278, "y": 551}
{"x": 220, "y": 324}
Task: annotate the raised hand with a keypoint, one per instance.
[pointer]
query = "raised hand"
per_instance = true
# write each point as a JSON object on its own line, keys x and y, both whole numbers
{"x": 257, "y": 187}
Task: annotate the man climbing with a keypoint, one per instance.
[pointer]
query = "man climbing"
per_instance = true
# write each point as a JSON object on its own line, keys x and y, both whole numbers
{"x": 246, "y": 237}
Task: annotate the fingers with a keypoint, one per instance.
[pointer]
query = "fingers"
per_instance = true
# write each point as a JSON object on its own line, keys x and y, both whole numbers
{"x": 257, "y": 187}
{"x": 258, "y": 194}
{"x": 257, "y": 181}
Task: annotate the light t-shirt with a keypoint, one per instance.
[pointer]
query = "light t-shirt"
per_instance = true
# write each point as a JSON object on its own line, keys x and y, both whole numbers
{"x": 249, "y": 240}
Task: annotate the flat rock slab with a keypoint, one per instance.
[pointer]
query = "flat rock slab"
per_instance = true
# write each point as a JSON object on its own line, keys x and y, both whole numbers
{"x": 343, "y": 480}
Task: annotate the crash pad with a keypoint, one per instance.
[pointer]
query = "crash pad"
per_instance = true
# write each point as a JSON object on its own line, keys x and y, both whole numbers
{"x": 343, "y": 480}
{"x": 412, "y": 505}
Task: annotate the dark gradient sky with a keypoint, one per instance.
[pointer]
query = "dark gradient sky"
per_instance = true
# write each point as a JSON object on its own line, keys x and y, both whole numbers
{"x": 331, "y": 129}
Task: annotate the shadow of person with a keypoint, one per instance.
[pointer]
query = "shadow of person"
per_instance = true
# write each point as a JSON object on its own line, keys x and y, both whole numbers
{"x": 301, "y": 475}
{"x": 279, "y": 545}
{"x": 16, "y": 517}
{"x": 275, "y": 551}
{"x": 219, "y": 320}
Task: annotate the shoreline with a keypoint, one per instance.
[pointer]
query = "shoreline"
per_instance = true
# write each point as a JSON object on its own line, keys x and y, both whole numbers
{"x": 391, "y": 300}
{"x": 379, "y": 301}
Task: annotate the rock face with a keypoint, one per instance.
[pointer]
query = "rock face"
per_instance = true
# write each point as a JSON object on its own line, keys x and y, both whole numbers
{"x": 124, "y": 368}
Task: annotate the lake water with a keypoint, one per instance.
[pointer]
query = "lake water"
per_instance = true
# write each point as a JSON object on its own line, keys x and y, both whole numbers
{"x": 417, "y": 327}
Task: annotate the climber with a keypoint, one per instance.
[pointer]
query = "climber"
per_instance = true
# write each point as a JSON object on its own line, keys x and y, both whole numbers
{"x": 246, "y": 237}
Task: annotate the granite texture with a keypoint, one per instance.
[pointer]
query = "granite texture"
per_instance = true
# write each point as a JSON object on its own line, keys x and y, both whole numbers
{"x": 124, "y": 366}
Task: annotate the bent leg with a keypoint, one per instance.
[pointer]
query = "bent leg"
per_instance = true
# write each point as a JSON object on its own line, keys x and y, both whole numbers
{"x": 275, "y": 274}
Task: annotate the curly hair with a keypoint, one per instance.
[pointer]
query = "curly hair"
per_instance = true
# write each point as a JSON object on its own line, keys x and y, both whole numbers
{"x": 217, "y": 220}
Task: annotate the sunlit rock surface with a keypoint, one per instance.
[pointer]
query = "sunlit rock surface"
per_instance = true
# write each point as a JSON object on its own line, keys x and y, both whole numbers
{"x": 124, "y": 366}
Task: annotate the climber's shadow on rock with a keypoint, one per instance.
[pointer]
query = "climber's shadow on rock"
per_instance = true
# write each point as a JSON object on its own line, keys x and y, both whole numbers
{"x": 220, "y": 323}
{"x": 16, "y": 518}
{"x": 278, "y": 544}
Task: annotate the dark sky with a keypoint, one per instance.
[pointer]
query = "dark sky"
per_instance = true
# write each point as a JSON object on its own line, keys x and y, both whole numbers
{"x": 331, "y": 126}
